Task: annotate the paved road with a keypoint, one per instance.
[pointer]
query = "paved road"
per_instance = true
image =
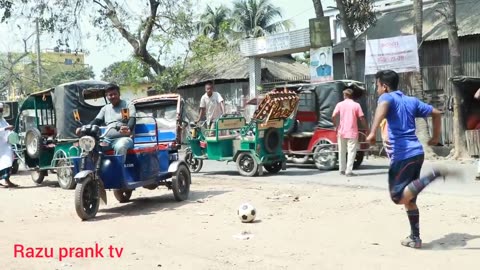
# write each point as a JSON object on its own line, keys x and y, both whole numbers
{"x": 372, "y": 174}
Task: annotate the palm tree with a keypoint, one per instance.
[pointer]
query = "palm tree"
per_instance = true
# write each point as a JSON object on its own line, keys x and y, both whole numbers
{"x": 255, "y": 18}
{"x": 215, "y": 23}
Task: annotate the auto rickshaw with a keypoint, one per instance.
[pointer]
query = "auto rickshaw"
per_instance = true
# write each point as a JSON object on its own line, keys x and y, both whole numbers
{"x": 153, "y": 162}
{"x": 309, "y": 130}
{"x": 252, "y": 146}
{"x": 46, "y": 128}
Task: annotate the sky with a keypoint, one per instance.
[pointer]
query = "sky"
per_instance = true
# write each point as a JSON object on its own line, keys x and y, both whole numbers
{"x": 102, "y": 54}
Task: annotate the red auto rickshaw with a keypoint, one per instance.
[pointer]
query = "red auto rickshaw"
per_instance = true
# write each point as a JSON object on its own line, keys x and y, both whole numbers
{"x": 310, "y": 133}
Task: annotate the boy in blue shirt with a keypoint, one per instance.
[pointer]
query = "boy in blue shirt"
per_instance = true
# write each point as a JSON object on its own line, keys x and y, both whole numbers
{"x": 405, "y": 150}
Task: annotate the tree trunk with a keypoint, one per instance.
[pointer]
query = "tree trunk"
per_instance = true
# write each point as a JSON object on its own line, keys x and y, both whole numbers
{"x": 352, "y": 56}
{"x": 318, "y": 8}
{"x": 460, "y": 143}
{"x": 422, "y": 129}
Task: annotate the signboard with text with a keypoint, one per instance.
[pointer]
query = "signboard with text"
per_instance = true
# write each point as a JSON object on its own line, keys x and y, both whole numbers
{"x": 399, "y": 54}
{"x": 273, "y": 43}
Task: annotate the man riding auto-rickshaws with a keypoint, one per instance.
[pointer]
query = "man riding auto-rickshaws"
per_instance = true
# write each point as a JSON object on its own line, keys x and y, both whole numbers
{"x": 46, "y": 128}
{"x": 113, "y": 115}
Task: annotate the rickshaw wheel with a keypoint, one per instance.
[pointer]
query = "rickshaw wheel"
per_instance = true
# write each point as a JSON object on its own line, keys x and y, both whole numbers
{"x": 194, "y": 164}
{"x": 15, "y": 166}
{"x": 181, "y": 183}
{"x": 38, "y": 176}
{"x": 33, "y": 142}
{"x": 272, "y": 140}
{"x": 65, "y": 176}
{"x": 246, "y": 164}
{"x": 87, "y": 198}
{"x": 324, "y": 156}
{"x": 122, "y": 196}
{"x": 358, "y": 159}
{"x": 274, "y": 167}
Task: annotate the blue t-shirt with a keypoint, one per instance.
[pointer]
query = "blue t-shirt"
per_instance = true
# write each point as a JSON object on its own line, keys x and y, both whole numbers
{"x": 402, "y": 111}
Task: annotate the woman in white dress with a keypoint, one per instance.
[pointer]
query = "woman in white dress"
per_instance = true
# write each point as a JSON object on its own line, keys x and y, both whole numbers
{"x": 6, "y": 153}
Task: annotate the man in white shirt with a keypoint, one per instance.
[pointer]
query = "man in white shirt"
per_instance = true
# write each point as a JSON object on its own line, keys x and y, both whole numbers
{"x": 212, "y": 105}
{"x": 6, "y": 153}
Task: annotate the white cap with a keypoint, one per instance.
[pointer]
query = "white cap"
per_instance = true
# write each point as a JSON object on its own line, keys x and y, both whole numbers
{"x": 1, "y": 105}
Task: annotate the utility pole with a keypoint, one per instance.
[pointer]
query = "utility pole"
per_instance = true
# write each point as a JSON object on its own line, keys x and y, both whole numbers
{"x": 39, "y": 70}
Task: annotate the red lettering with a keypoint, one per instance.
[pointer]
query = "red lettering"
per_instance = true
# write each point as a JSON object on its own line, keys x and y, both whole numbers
{"x": 18, "y": 248}
{"x": 29, "y": 252}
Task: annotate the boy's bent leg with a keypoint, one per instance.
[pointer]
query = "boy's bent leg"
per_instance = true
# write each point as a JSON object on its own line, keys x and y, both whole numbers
{"x": 401, "y": 174}
{"x": 342, "y": 154}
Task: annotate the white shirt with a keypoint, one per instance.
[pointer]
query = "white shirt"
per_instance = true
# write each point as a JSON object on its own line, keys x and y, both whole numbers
{"x": 6, "y": 153}
{"x": 213, "y": 109}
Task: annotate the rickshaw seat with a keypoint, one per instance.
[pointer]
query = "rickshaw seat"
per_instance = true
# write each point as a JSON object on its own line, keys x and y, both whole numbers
{"x": 221, "y": 138}
{"x": 145, "y": 133}
{"x": 142, "y": 148}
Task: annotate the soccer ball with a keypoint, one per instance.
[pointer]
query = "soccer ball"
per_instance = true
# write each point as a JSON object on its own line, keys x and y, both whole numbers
{"x": 246, "y": 212}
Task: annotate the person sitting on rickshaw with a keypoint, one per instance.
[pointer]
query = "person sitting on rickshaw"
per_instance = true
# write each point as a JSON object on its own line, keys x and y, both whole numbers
{"x": 110, "y": 115}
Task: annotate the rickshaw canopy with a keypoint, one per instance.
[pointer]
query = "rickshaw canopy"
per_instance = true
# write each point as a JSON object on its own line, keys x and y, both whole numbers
{"x": 87, "y": 96}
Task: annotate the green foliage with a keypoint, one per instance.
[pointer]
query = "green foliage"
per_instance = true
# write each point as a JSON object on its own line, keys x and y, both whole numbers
{"x": 215, "y": 23}
{"x": 129, "y": 72}
{"x": 84, "y": 73}
{"x": 360, "y": 14}
{"x": 304, "y": 59}
{"x": 204, "y": 49}
{"x": 257, "y": 18}
{"x": 170, "y": 78}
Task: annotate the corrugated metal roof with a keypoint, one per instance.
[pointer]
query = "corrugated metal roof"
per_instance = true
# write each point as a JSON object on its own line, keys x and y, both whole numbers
{"x": 234, "y": 67}
{"x": 402, "y": 22}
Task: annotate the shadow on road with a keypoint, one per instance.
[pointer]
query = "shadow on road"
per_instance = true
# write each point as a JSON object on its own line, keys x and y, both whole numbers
{"x": 373, "y": 167}
{"x": 287, "y": 172}
{"x": 152, "y": 205}
{"x": 451, "y": 241}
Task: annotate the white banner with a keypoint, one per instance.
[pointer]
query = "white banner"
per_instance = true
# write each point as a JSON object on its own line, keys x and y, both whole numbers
{"x": 272, "y": 43}
{"x": 321, "y": 64}
{"x": 399, "y": 54}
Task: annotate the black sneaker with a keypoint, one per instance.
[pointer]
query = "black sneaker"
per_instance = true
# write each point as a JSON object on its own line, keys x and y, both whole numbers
{"x": 412, "y": 241}
{"x": 445, "y": 171}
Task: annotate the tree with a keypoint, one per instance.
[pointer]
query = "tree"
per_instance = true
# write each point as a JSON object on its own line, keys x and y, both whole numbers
{"x": 158, "y": 22}
{"x": 84, "y": 73}
{"x": 317, "y": 4}
{"x": 355, "y": 16}
{"x": 256, "y": 18}
{"x": 130, "y": 72}
{"x": 215, "y": 23}
{"x": 12, "y": 80}
{"x": 449, "y": 13}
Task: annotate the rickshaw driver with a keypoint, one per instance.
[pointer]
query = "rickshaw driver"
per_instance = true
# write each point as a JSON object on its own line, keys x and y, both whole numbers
{"x": 211, "y": 104}
{"x": 111, "y": 115}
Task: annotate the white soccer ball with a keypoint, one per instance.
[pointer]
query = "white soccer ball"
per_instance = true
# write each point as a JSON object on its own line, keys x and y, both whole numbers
{"x": 246, "y": 212}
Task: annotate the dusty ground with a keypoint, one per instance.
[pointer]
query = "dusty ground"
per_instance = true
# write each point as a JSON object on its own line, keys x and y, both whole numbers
{"x": 299, "y": 226}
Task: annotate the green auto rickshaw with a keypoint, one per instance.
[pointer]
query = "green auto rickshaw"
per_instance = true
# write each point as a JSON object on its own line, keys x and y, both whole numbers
{"x": 254, "y": 145}
{"x": 46, "y": 128}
